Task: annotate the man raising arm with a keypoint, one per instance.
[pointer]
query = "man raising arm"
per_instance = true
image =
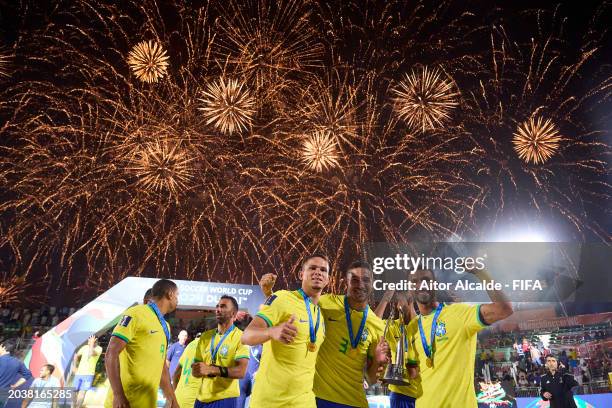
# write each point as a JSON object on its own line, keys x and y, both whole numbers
{"x": 347, "y": 350}
{"x": 445, "y": 340}
{"x": 84, "y": 367}
{"x": 292, "y": 329}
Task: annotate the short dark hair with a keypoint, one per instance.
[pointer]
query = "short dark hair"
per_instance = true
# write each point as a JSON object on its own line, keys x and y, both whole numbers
{"x": 147, "y": 295}
{"x": 232, "y": 299}
{"x": 358, "y": 264}
{"x": 162, "y": 287}
{"x": 312, "y": 256}
{"x": 242, "y": 324}
{"x": 551, "y": 356}
{"x": 9, "y": 346}
{"x": 50, "y": 367}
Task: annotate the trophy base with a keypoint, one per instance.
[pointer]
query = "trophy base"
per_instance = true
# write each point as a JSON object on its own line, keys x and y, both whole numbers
{"x": 395, "y": 381}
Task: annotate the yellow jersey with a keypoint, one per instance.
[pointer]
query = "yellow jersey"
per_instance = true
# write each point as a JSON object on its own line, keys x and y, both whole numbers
{"x": 414, "y": 388}
{"x": 450, "y": 382}
{"x": 340, "y": 369}
{"x": 230, "y": 351}
{"x": 143, "y": 359}
{"x": 286, "y": 371}
{"x": 188, "y": 386}
{"x": 87, "y": 364}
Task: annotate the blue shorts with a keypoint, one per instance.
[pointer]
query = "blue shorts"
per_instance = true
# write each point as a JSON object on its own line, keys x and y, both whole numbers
{"x": 222, "y": 403}
{"x": 82, "y": 382}
{"x": 321, "y": 403}
{"x": 401, "y": 400}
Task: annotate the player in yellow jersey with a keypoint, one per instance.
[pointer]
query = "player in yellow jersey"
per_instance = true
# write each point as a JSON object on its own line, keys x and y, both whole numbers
{"x": 353, "y": 342}
{"x": 84, "y": 368}
{"x": 444, "y": 339}
{"x": 136, "y": 353}
{"x": 291, "y": 328}
{"x": 347, "y": 350}
{"x": 186, "y": 386}
{"x": 221, "y": 359}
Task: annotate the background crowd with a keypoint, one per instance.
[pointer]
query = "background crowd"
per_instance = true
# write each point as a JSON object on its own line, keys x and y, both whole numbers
{"x": 514, "y": 359}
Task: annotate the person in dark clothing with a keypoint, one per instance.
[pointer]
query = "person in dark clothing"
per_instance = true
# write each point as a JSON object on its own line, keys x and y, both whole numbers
{"x": 246, "y": 383}
{"x": 556, "y": 387}
{"x": 13, "y": 372}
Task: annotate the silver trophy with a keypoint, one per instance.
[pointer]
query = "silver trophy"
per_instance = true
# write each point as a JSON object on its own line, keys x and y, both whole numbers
{"x": 396, "y": 371}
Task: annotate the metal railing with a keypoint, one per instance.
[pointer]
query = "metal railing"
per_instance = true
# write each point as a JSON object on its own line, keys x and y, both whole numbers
{"x": 593, "y": 387}
{"x": 527, "y": 392}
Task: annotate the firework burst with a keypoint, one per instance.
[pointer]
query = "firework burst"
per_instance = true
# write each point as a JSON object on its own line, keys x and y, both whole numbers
{"x": 162, "y": 166}
{"x": 103, "y": 175}
{"x": 228, "y": 106}
{"x": 536, "y": 140}
{"x": 388, "y": 37}
{"x": 272, "y": 45}
{"x": 328, "y": 105}
{"x": 536, "y": 80}
{"x": 119, "y": 179}
{"x": 320, "y": 152}
{"x": 12, "y": 290}
{"x": 148, "y": 61}
{"x": 381, "y": 190}
{"x": 425, "y": 99}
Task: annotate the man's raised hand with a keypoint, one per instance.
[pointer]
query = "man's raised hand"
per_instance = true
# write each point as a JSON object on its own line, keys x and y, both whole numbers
{"x": 266, "y": 283}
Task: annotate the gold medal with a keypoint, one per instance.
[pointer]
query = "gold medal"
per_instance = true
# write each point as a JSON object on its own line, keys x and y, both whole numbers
{"x": 353, "y": 353}
{"x": 312, "y": 347}
{"x": 429, "y": 362}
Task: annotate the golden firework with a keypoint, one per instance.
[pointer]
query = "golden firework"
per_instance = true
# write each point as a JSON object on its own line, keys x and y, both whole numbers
{"x": 163, "y": 166}
{"x": 425, "y": 98}
{"x": 148, "y": 61}
{"x": 11, "y": 290}
{"x": 109, "y": 179}
{"x": 271, "y": 44}
{"x": 536, "y": 140}
{"x": 228, "y": 105}
{"x": 330, "y": 104}
{"x": 320, "y": 152}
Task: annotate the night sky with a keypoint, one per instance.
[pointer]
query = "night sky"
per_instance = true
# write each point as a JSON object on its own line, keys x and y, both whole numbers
{"x": 103, "y": 176}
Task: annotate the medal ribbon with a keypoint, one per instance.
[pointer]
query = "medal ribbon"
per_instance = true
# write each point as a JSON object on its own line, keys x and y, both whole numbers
{"x": 253, "y": 354}
{"x": 313, "y": 329}
{"x": 429, "y": 350}
{"x": 349, "y": 323}
{"x": 155, "y": 309}
{"x": 402, "y": 331}
{"x": 215, "y": 350}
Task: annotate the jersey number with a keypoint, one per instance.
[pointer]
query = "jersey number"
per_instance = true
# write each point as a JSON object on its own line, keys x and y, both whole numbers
{"x": 344, "y": 346}
{"x": 187, "y": 369}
